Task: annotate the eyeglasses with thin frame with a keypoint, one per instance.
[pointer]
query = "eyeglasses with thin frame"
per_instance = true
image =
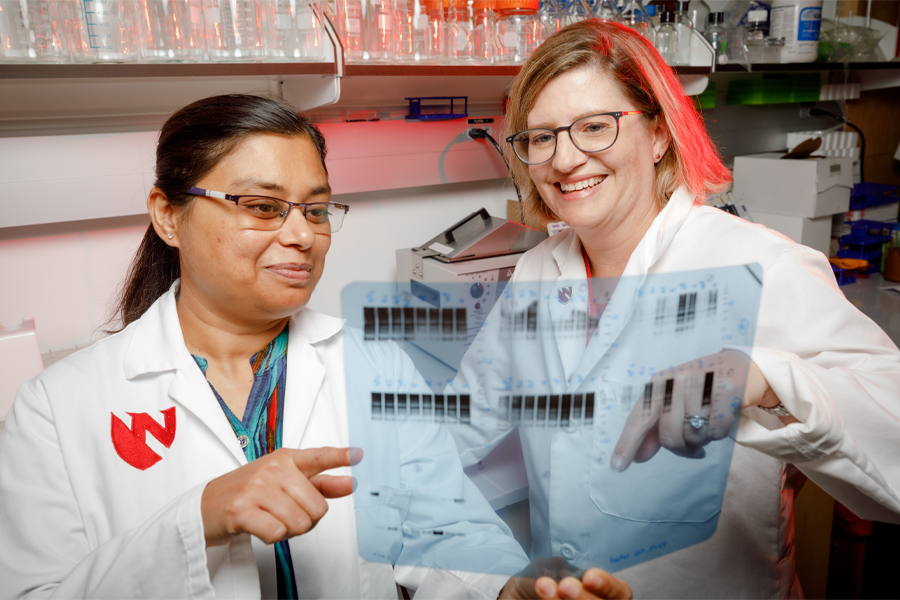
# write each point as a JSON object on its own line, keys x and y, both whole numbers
{"x": 266, "y": 213}
{"x": 593, "y": 133}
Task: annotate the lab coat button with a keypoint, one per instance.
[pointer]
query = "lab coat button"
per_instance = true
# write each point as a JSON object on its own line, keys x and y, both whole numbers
{"x": 567, "y": 551}
{"x": 243, "y": 440}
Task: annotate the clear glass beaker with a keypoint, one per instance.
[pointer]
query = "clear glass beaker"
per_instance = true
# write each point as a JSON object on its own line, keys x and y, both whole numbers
{"x": 460, "y": 23}
{"x": 108, "y": 31}
{"x": 171, "y": 30}
{"x": 483, "y": 32}
{"x": 518, "y": 30}
{"x": 378, "y": 30}
{"x": 234, "y": 30}
{"x": 33, "y": 31}
{"x": 349, "y": 26}
{"x": 294, "y": 30}
{"x": 420, "y": 31}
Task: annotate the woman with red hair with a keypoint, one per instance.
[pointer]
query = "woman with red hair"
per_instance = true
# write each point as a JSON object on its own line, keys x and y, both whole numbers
{"x": 602, "y": 137}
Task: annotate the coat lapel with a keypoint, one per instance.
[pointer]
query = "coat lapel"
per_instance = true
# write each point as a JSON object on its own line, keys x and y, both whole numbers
{"x": 567, "y": 303}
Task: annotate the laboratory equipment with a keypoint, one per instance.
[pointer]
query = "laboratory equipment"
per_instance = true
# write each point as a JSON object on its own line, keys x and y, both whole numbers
{"x": 482, "y": 39}
{"x": 518, "y": 30}
{"x": 606, "y": 10}
{"x": 294, "y": 30}
{"x": 171, "y": 30}
{"x": 550, "y": 17}
{"x": 666, "y": 40}
{"x": 685, "y": 29}
{"x": 798, "y": 22}
{"x": 575, "y": 11}
{"x": 109, "y": 31}
{"x": 33, "y": 31}
{"x": 698, "y": 11}
{"x": 349, "y": 16}
{"x": 460, "y": 23}
{"x": 234, "y": 30}
{"x": 379, "y": 30}
{"x": 718, "y": 37}
{"x": 635, "y": 16}
{"x": 755, "y": 35}
{"x": 437, "y": 108}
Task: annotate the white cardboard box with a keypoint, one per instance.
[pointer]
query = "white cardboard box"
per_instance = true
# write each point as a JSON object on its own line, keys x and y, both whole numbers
{"x": 808, "y": 187}
{"x": 815, "y": 233}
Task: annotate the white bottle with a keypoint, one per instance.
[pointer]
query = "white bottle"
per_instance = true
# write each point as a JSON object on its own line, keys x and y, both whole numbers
{"x": 685, "y": 29}
{"x": 798, "y": 22}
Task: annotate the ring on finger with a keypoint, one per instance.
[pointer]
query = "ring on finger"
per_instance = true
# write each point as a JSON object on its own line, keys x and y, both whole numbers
{"x": 696, "y": 421}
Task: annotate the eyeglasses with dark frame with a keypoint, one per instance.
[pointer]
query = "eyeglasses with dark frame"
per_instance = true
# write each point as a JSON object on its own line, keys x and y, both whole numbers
{"x": 593, "y": 133}
{"x": 267, "y": 213}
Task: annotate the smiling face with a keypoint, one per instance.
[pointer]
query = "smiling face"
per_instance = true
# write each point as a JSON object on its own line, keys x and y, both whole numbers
{"x": 247, "y": 275}
{"x": 599, "y": 192}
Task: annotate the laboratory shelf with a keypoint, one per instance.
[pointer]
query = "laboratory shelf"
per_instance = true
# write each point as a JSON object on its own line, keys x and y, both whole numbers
{"x": 162, "y": 70}
{"x": 814, "y": 66}
{"x": 397, "y": 70}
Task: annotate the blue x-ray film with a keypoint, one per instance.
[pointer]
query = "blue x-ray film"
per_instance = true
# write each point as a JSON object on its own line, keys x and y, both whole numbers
{"x": 439, "y": 376}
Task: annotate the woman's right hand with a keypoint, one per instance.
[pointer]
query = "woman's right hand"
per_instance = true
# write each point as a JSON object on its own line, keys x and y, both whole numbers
{"x": 277, "y": 496}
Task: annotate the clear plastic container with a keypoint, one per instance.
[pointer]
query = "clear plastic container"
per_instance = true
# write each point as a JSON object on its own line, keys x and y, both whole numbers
{"x": 716, "y": 34}
{"x": 518, "y": 30}
{"x": 293, "y": 30}
{"x": 379, "y": 31}
{"x": 698, "y": 11}
{"x": 633, "y": 15}
{"x": 667, "y": 38}
{"x": 483, "y": 32}
{"x": 685, "y": 29}
{"x": 108, "y": 31}
{"x": 576, "y": 10}
{"x": 34, "y": 31}
{"x": 171, "y": 30}
{"x": 421, "y": 31}
{"x": 234, "y": 30}
{"x": 349, "y": 26}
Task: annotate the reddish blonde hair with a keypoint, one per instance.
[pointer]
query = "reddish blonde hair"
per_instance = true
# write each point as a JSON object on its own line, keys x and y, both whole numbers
{"x": 692, "y": 159}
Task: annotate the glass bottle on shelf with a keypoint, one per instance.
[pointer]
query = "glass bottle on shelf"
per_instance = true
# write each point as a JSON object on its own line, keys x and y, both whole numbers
{"x": 413, "y": 39}
{"x": 667, "y": 38}
{"x": 378, "y": 30}
{"x": 633, "y": 15}
{"x": 575, "y": 11}
{"x": 460, "y": 22}
{"x": 698, "y": 11}
{"x": 483, "y": 32}
{"x": 293, "y": 30}
{"x": 755, "y": 35}
{"x": 516, "y": 29}
{"x": 685, "y": 30}
{"x": 34, "y": 31}
{"x": 109, "y": 31}
{"x": 717, "y": 36}
{"x": 606, "y": 10}
{"x": 171, "y": 31}
{"x": 349, "y": 16}
{"x": 550, "y": 18}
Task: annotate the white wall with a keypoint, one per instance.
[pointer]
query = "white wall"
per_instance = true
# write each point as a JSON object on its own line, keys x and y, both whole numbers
{"x": 66, "y": 275}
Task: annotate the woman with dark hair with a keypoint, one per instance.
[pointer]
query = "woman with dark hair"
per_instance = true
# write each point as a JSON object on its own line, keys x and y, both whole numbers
{"x": 602, "y": 136}
{"x": 185, "y": 455}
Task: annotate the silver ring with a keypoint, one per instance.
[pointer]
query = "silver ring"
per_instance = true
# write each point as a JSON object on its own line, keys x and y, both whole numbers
{"x": 696, "y": 421}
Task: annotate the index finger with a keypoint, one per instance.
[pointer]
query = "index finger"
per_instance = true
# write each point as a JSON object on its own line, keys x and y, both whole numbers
{"x": 313, "y": 461}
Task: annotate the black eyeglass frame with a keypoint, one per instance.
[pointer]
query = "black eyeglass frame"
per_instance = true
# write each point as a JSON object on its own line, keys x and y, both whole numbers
{"x": 618, "y": 115}
{"x": 195, "y": 191}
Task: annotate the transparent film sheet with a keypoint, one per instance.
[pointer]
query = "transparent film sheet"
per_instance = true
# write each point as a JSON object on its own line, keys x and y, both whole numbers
{"x": 530, "y": 386}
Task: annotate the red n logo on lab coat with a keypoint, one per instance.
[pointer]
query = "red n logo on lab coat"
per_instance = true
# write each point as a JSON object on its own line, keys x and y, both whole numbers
{"x": 131, "y": 443}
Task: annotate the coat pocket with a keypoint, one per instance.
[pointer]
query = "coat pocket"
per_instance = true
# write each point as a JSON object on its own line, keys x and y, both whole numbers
{"x": 379, "y": 523}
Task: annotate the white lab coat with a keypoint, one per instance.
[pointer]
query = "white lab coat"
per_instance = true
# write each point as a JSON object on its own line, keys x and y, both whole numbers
{"x": 77, "y": 520}
{"x": 831, "y": 366}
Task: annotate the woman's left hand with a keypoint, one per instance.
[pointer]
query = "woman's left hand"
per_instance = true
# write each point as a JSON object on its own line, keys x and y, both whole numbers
{"x": 683, "y": 413}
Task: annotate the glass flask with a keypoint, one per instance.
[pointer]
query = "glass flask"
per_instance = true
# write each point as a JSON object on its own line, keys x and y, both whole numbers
{"x": 698, "y": 11}
{"x": 550, "y": 17}
{"x": 685, "y": 30}
{"x": 293, "y": 30}
{"x": 633, "y": 15}
{"x": 460, "y": 23}
{"x": 482, "y": 38}
{"x": 33, "y": 31}
{"x": 606, "y": 10}
{"x": 233, "y": 30}
{"x": 575, "y": 11}
{"x": 717, "y": 36}
{"x": 666, "y": 40}
{"x": 171, "y": 30}
{"x": 378, "y": 30}
{"x": 518, "y": 30}
{"x": 349, "y": 27}
{"x": 108, "y": 31}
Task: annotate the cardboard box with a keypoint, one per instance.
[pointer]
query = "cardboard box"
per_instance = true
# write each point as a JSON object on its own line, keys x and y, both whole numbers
{"x": 808, "y": 187}
{"x": 815, "y": 233}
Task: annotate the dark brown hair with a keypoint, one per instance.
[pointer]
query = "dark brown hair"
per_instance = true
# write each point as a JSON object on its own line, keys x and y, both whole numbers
{"x": 191, "y": 143}
{"x": 692, "y": 159}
